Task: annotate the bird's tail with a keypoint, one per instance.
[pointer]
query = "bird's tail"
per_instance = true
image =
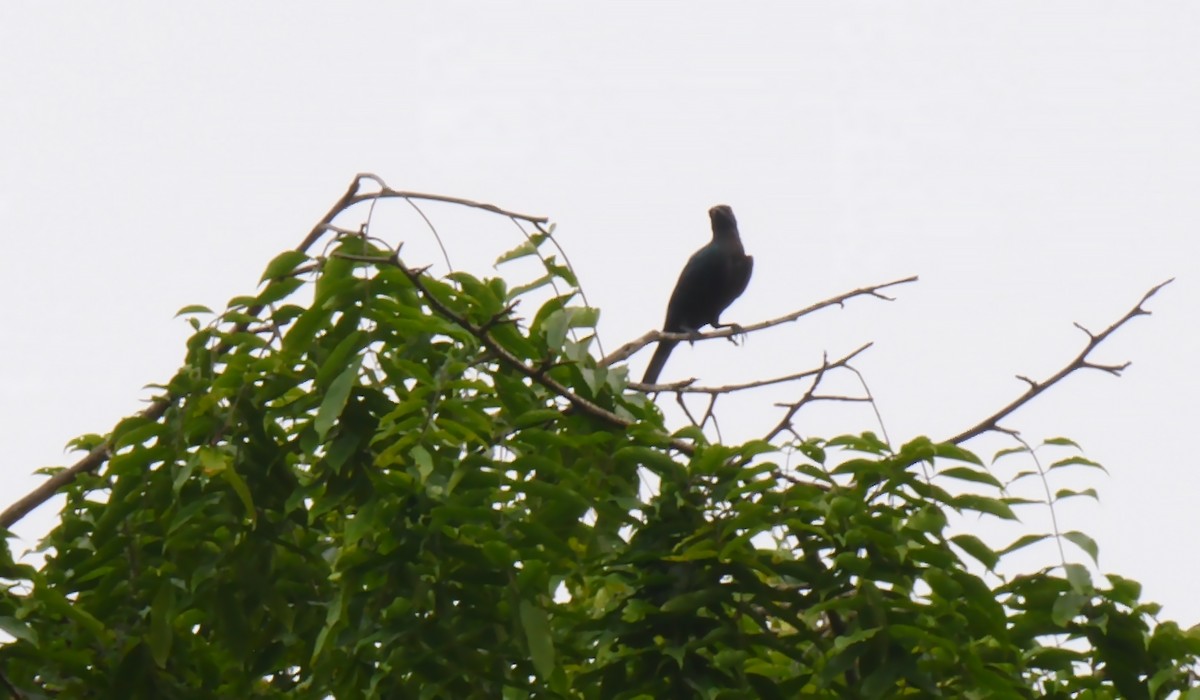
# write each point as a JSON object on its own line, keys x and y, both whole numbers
{"x": 660, "y": 358}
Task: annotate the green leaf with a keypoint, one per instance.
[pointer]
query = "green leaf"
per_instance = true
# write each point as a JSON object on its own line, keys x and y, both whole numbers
{"x": 337, "y": 276}
{"x": 562, "y": 271}
{"x": 529, "y": 286}
{"x": 1085, "y": 543}
{"x": 18, "y": 630}
{"x": 1062, "y": 442}
{"x": 943, "y": 584}
{"x": 1022, "y": 542}
{"x": 1076, "y": 461}
{"x": 57, "y": 603}
{"x": 525, "y": 249}
{"x": 299, "y": 337}
{"x": 335, "y": 364}
{"x": 1055, "y": 658}
{"x": 1124, "y": 590}
{"x": 652, "y": 459}
{"x": 87, "y": 442}
{"x": 333, "y": 615}
{"x": 1079, "y": 577}
{"x": 1066, "y": 607}
{"x": 240, "y": 488}
{"x": 536, "y": 624}
{"x": 975, "y": 547}
{"x": 557, "y": 325}
{"x": 193, "y": 309}
{"x": 283, "y": 264}
{"x": 973, "y": 475}
{"x": 162, "y": 614}
{"x": 279, "y": 289}
{"x": 423, "y": 460}
{"x": 870, "y": 443}
{"x": 335, "y": 399}
{"x": 213, "y": 460}
{"x": 216, "y": 462}
{"x": 537, "y": 416}
{"x": 951, "y": 451}
{"x": 135, "y": 431}
{"x": 1063, "y": 494}
{"x": 1009, "y": 451}
{"x": 982, "y": 504}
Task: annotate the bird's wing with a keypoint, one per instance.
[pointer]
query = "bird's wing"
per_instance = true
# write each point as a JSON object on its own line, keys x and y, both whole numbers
{"x": 740, "y": 274}
{"x": 697, "y": 292}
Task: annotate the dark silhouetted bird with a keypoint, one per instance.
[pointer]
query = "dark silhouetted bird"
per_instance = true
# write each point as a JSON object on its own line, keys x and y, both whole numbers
{"x": 714, "y": 276}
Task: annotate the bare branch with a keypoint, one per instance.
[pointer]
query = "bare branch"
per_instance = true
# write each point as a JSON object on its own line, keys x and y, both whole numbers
{"x": 1114, "y": 370}
{"x": 686, "y": 411}
{"x": 628, "y": 349}
{"x": 710, "y": 412}
{"x": 688, "y": 386}
{"x": 992, "y": 422}
{"x": 385, "y": 192}
{"x": 785, "y": 423}
{"x": 834, "y": 397}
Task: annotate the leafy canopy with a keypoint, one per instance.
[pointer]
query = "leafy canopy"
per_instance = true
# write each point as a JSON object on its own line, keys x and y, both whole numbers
{"x": 369, "y": 482}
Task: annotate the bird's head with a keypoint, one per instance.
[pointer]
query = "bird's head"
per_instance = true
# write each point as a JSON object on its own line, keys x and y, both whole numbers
{"x": 722, "y": 218}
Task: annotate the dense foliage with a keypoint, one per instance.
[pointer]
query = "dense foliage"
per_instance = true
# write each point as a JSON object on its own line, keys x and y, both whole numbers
{"x": 370, "y": 483}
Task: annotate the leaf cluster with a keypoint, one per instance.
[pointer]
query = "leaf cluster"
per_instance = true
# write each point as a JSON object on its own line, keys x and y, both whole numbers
{"x": 369, "y": 483}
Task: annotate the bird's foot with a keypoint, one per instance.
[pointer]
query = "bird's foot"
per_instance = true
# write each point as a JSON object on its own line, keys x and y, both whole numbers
{"x": 738, "y": 332}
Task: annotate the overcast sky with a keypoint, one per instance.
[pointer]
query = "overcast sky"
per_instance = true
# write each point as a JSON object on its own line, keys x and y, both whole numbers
{"x": 1037, "y": 164}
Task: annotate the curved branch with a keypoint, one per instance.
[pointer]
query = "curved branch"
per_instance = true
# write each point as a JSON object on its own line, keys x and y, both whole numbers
{"x": 992, "y": 422}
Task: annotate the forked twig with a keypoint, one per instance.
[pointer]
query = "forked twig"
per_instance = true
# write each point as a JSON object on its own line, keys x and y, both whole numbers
{"x": 1081, "y": 361}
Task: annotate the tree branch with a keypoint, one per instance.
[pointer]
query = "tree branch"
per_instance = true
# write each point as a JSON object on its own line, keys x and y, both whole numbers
{"x": 628, "y": 349}
{"x": 537, "y": 374}
{"x": 785, "y": 423}
{"x": 687, "y": 386}
{"x": 1080, "y": 362}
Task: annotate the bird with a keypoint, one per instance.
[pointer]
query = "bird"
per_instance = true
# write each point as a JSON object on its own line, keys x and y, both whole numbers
{"x": 713, "y": 277}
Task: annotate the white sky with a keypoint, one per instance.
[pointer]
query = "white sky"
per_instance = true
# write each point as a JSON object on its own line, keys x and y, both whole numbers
{"x": 1035, "y": 163}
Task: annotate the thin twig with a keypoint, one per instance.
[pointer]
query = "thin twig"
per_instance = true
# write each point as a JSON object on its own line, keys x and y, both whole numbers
{"x": 688, "y": 386}
{"x": 436, "y": 236}
{"x": 687, "y": 411}
{"x": 1080, "y": 362}
{"x": 785, "y": 423}
{"x": 874, "y": 406}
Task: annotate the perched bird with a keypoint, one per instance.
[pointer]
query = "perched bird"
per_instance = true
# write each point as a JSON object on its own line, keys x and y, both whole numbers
{"x": 714, "y": 276}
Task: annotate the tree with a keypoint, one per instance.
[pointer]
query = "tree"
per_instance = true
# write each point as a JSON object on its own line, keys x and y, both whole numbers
{"x": 369, "y": 482}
